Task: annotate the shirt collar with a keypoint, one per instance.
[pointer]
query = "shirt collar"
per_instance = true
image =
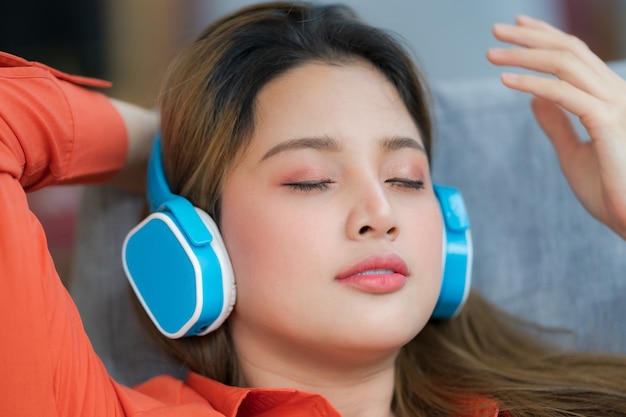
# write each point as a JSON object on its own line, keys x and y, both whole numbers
{"x": 239, "y": 402}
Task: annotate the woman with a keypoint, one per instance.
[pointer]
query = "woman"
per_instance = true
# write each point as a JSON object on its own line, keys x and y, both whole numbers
{"x": 305, "y": 134}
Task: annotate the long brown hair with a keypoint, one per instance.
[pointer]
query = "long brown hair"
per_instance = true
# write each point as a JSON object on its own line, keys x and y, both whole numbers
{"x": 208, "y": 115}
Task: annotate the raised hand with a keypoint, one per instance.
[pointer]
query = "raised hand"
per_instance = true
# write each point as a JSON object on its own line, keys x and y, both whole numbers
{"x": 585, "y": 86}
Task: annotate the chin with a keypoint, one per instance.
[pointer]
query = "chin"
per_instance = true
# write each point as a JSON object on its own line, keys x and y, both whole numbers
{"x": 385, "y": 335}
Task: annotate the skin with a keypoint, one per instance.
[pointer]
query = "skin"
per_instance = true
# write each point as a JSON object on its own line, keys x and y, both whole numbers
{"x": 141, "y": 126}
{"x": 586, "y": 87}
{"x": 289, "y": 244}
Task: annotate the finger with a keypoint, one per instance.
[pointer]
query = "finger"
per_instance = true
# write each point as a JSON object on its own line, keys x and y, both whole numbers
{"x": 558, "y": 63}
{"x": 603, "y": 123}
{"x": 541, "y": 35}
{"x": 524, "y": 20}
{"x": 572, "y": 99}
{"x": 576, "y": 158}
{"x": 528, "y": 36}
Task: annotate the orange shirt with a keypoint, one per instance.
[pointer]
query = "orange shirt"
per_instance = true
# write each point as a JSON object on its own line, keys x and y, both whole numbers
{"x": 53, "y": 131}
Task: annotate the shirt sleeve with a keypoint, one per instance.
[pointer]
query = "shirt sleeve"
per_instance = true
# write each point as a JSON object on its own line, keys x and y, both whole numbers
{"x": 51, "y": 131}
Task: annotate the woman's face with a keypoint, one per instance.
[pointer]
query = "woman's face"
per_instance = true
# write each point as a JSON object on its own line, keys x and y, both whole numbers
{"x": 330, "y": 220}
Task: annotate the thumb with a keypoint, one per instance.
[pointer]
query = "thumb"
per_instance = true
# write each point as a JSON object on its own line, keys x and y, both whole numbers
{"x": 558, "y": 127}
{"x": 576, "y": 158}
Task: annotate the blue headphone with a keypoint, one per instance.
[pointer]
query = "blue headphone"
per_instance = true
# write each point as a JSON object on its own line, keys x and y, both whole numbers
{"x": 176, "y": 261}
{"x": 177, "y": 264}
{"x": 457, "y": 253}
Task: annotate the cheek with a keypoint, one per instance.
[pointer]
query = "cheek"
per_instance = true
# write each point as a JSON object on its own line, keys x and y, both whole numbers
{"x": 244, "y": 230}
{"x": 269, "y": 243}
{"x": 424, "y": 237}
{"x": 435, "y": 240}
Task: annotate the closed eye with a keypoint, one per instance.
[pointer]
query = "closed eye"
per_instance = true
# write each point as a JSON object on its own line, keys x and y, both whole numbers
{"x": 406, "y": 183}
{"x": 310, "y": 186}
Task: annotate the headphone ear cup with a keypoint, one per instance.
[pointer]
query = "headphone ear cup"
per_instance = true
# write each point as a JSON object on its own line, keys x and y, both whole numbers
{"x": 457, "y": 253}
{"x": 181, "y": 275}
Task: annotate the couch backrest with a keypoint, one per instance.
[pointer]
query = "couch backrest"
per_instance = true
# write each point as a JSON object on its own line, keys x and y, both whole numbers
{"x": 538, "y": 253}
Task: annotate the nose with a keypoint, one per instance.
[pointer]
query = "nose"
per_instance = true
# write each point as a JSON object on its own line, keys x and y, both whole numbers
{"x": 371, "y": 215}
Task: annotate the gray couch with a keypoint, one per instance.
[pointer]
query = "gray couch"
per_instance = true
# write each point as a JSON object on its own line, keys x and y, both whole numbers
{"x": 538, "y": 254}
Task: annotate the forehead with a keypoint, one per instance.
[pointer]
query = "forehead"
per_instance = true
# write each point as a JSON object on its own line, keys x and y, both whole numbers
{"x": 351, "y": 100}
{"x": 322, "y": 81}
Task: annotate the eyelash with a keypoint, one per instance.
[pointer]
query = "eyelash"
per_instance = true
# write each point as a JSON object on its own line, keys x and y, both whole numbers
{"x": 310, "y": 186}
{"x": 323, "y": 185}
{"x": 406, "y": 183}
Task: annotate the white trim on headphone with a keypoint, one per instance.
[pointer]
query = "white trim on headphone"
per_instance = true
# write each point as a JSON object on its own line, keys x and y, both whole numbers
{"x": 228, "y": 275}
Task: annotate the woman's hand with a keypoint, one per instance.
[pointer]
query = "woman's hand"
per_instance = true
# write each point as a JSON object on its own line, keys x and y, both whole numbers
{"x": 588, "y": 88}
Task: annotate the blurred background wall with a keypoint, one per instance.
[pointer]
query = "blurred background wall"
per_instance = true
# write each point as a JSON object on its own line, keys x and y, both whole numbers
{"x": 130, "y": 43}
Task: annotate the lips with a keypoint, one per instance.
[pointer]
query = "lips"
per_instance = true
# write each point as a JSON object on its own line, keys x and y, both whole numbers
{"x": 376, "y": 274}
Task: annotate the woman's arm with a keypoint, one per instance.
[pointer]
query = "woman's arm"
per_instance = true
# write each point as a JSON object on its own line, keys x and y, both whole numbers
{"x": 54, "y": 131}
{"x": 141, "y": 125}
{"x": 585, "y": 86}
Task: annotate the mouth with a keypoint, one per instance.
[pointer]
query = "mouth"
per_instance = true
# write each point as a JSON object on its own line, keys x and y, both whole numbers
{"x": 380, "y": 271}
{"x": 379, "y": 274}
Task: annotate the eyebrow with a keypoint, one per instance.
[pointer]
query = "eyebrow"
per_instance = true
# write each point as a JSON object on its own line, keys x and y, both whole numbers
{"x": 395, "y": 143}
{"x": 323, "y": 143}
{"x": 328, "y": 144}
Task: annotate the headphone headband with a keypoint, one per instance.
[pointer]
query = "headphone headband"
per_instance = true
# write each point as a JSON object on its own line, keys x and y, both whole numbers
{"x": 161, "y": 198}
{"x": 158, "y": 192}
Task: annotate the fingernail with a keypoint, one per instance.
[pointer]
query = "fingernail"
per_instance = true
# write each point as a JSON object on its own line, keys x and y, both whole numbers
{"x": 522, "y": 18}
{"x": 496, "y": 51}
{"x": 502, "y": 26}
{"x": 509, "y": 77}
